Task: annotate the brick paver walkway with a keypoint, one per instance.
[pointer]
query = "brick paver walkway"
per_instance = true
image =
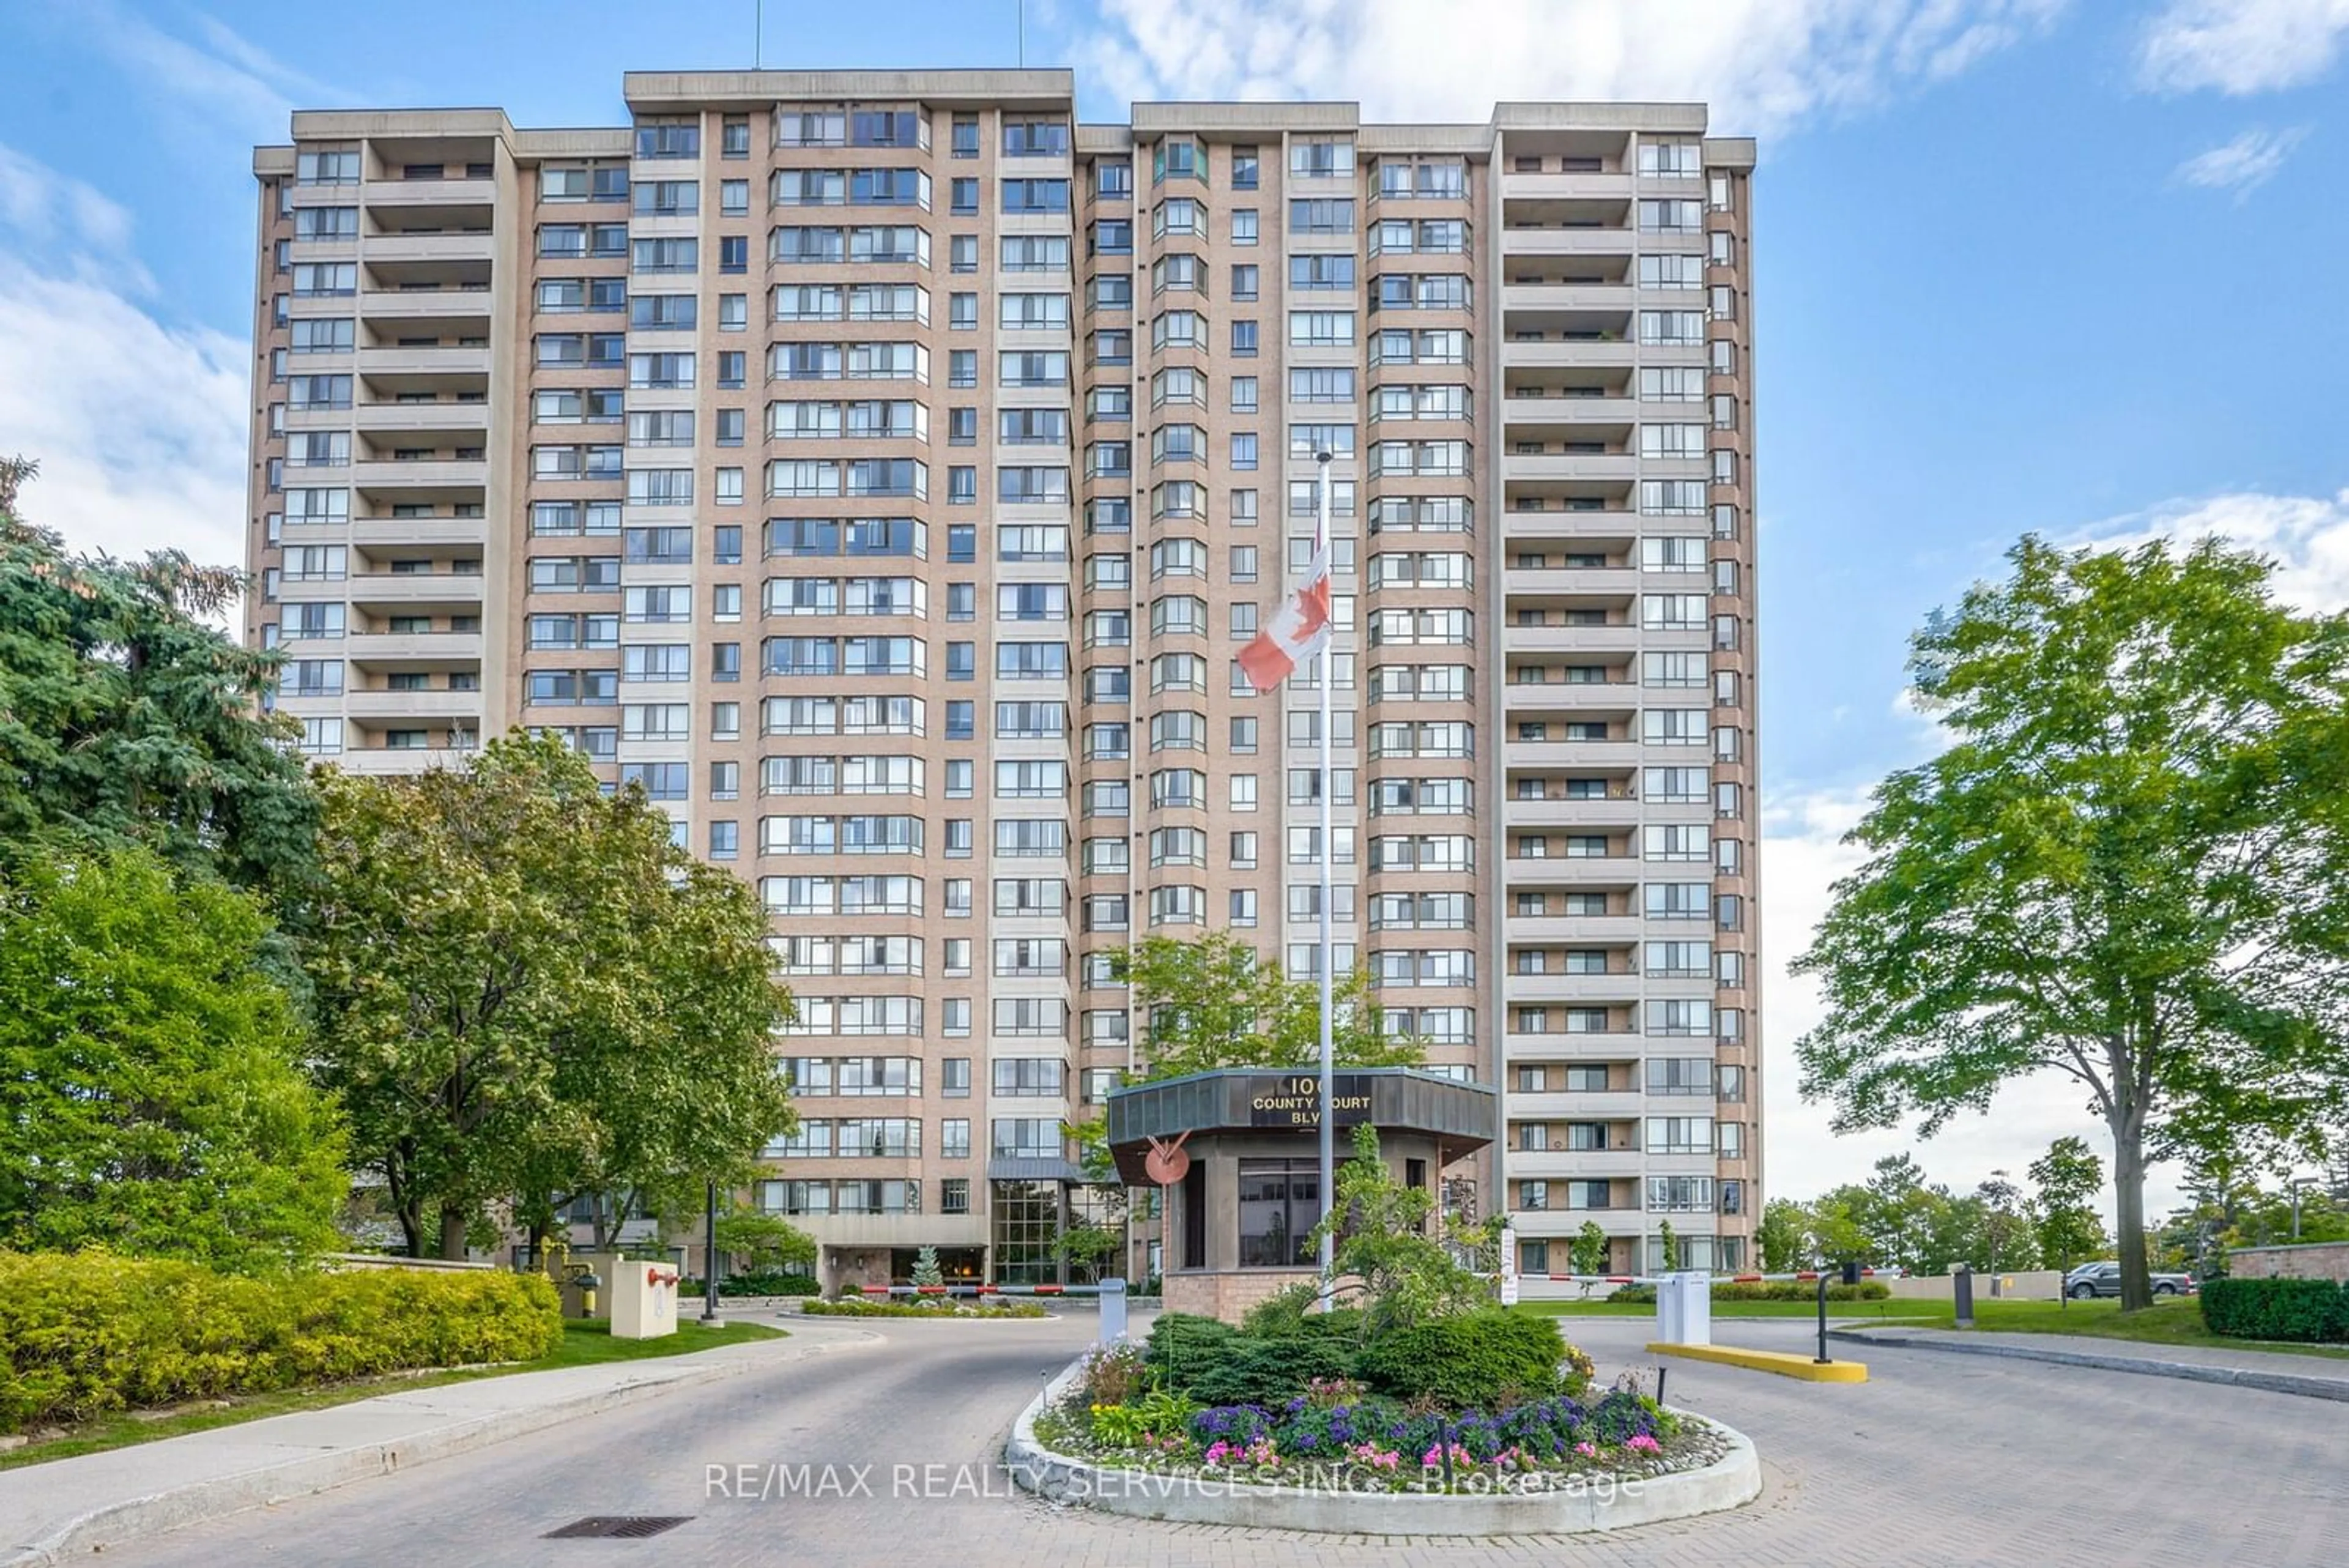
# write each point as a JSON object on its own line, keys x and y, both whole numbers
{"x": 1939, "y": 1459}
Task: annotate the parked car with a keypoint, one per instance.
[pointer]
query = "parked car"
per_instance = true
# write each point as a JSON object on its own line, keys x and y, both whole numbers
{"x": 2104, "y": 1280}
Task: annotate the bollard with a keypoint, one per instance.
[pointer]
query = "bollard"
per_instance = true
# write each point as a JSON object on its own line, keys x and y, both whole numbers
{"x": 1112, "y": 1311}
{"x": 1962, "y": 1288}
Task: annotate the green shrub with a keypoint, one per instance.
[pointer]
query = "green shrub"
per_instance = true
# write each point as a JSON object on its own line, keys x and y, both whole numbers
{"x": 2304, "y": 1310}
{"x": 1469, "y": 1360}
{"x": 1269, "y": 1371}
{"x": 85, "y": 1334}
{"x": 755, "y": 1283}
{"x": 1282, "y": 1313}
{"x": 1181, "y": 1342}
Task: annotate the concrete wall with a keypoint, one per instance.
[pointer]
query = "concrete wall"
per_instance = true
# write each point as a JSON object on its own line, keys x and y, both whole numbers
{"x": 2307, "y": 1261}
{"x": 2013, "y": 1284}
{"x": 1228, "y": 1293}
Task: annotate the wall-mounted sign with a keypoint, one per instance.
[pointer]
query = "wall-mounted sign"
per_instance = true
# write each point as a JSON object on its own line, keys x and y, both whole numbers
{"x": 1294, "y": 1099}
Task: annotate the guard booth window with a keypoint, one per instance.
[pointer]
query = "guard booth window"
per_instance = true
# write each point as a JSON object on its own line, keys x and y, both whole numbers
{"x": 1279, "y": 1203}
{"x": 1195, "y": 1216}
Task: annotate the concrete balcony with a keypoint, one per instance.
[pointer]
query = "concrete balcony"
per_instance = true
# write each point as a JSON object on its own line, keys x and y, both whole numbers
{"x": 398, "y": 761}
{"x": 1614, "y": 297}
{"x": 1615, "y": 812}
{"x": 1571, "y": 871}
{"x": 1594, "y": 639}
{"x": 432, "y": 649}
{"x": 1517, "y": 414}
{"x": 459, "y": 423}
{"x": 1568, "y": 242}
{"x": 1602, "y": 1047}
{"x": 438, "y": 707}
{"x": 1583, "y": 1106}
{"x": 1606, "y": 468}
{"x": 1591, "y": 930}
{"x": 1620, "y": 989}
{"x": 1616, "y": 187}
{"x": 451, "y": 360}
{"x": 1601, "y": 582}
{"x": 398, "y": 531}
{"x": 1557, "y": 523}
{"x": 1549, "y": 754}
{"x": 423, "y": 473}
{"x": 1568, "y": 353}
{"x": 416, "y": 590}
{"x": 473, "y": 246}
{"x": 470, "y": 306}
{"x": 1590, "y": 1164}
{"x": 1559, "y": 1224}
{"x": 409, "y": 193}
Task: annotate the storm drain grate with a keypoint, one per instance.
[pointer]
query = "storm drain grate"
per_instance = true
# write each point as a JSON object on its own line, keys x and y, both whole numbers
{"x": 616, "y": 1527}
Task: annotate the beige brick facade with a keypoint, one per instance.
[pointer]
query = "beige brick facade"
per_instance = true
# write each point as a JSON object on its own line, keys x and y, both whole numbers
{"x": 885, "y": 468}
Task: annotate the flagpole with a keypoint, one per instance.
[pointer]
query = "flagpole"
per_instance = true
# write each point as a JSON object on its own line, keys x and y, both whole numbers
{"x": 1328, "y": 850}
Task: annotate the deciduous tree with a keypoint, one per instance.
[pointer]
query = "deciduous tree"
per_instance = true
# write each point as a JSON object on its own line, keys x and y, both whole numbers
{"x": 2129, "y": 866}
{"x": 2068, "y": 1176}
{"x": 150, "y": 1071}
{"x": 525, "y": 993}
{"x": 1214, "y": 1002}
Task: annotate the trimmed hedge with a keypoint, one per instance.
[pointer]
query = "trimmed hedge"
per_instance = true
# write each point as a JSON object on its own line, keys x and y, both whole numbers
{"x": 1771, "y": 1291}
{"x": 2313, "y": 1311}
{"x": 921, "y": 1306}
{"x": 85, "y": 1334}
{"x": 1475, "y": 1361}
{"x": 756, "y": 1284}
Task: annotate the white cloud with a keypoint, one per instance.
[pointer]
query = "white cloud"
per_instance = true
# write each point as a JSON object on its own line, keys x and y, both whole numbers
{"x": 2307, "y": 536}
{"x": 44, "y": 208}
{"x": 232, "y": 84}
{"x": 1763, "y": 64}
{"x": 2242, "y": 165}
{"x": 2242, "y": 45}
{"x": 140, "y": 426}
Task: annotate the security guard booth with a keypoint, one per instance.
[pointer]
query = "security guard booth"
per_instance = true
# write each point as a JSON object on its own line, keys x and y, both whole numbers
{"x": 1238, "y": 1154}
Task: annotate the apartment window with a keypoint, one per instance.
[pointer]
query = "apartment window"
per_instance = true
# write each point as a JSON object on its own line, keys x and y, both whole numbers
{"x": 1244, "y": 226}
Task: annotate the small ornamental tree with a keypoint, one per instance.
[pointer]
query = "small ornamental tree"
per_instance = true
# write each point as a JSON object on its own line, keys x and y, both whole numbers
{"x": 927, "y": 1275}
{"x": 1590, "y": 1251}
{"x": 1406, "y": 1276}
{"x": 1783, "y": 1236}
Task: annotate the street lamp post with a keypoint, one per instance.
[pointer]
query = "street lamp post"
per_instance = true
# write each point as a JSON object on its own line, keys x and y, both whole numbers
{"x": 710, "y": 1318}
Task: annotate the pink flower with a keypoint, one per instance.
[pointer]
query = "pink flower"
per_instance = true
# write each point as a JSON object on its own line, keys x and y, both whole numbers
{"x": 1644, "y": 1444}
{"x": 1587, "y": 1450}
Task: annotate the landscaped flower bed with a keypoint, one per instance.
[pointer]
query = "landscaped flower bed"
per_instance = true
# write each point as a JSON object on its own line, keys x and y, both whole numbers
{"x": 923, "y": 1306}
{"x": 1340, "y": 1441}
{"x": 1335, "y": 1435}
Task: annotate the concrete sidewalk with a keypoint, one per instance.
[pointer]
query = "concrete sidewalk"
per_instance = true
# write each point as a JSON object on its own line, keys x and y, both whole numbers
{"x": 2276, "y": 1372}
{"x": 70, "y": 1508}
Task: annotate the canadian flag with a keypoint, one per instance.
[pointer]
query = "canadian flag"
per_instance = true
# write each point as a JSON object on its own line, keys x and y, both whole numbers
{"x": 1299, "y": 629}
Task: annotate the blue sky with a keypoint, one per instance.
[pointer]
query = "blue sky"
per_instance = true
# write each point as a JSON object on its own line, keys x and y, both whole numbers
{"x": 2070, "y": 265}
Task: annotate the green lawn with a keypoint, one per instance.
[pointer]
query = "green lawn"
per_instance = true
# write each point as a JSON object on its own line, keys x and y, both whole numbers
{"x": 2175, "y": 1322}
{"x": 584, "y": 1345}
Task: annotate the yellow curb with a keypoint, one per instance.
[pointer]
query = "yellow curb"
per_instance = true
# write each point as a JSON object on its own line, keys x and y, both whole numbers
{"x": 1785, "y": 1365}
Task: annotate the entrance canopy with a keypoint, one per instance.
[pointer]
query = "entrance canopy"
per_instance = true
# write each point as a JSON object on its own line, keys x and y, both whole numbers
{"x": 1460, "y": 1118}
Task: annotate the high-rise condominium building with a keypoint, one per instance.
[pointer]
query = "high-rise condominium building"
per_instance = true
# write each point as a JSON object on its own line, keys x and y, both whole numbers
{"x": 883, "y": 470}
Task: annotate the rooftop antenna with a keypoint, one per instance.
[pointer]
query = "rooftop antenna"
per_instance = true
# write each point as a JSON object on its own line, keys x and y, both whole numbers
{"x": 1022, "y": 7}
{"x": 759, "y": 36}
